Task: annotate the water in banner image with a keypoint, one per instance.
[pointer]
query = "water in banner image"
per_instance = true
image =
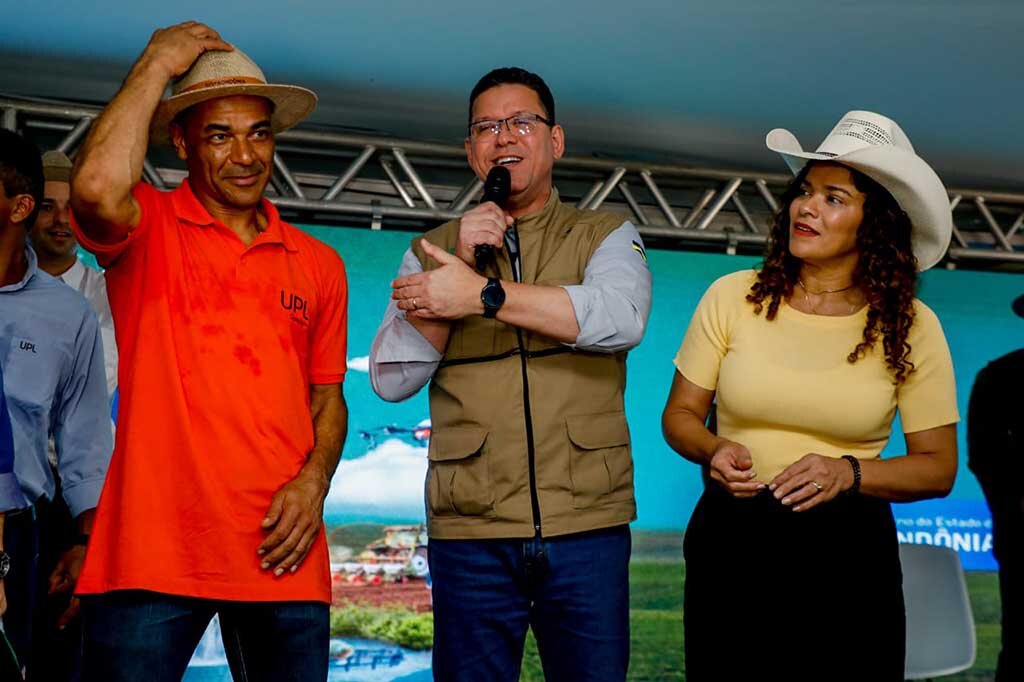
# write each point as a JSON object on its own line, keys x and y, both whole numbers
{"x": 351, "y": 660}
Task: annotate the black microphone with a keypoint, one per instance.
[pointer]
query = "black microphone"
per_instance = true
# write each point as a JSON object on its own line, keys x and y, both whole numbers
{"x": 497, "y": 187}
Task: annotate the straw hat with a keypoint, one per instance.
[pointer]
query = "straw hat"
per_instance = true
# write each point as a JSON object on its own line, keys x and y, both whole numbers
{"x": 56, "y": 166}
{"x": 218, "y": 73}
{"x": 877, "y": 147}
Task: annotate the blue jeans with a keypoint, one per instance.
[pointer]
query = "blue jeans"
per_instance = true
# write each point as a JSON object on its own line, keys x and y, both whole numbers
{"x": 135, "y": 635}
{"x": 572, "y": 590}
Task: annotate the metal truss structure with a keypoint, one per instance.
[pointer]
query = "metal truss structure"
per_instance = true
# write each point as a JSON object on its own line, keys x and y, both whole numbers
{"x": 337, "y": 178}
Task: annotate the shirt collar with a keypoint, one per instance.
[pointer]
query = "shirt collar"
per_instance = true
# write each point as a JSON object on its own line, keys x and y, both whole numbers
{"x": 73, "y": 275}
{"x": 30, "y": 272}
{"x": 188, "y": 208}
{"x": 542, "y": 217}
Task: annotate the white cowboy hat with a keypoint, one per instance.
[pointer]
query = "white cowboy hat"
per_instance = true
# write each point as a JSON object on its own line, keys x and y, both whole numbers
{"x": 876, "y": 146}
{"x": 219, "y": 73}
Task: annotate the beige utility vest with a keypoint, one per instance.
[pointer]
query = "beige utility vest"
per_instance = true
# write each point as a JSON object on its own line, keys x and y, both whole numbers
{"x": 494, "y": 407}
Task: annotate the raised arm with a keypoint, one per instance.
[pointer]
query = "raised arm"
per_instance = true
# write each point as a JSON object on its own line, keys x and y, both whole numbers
{"x": 110, "y": 161}
{"x": 406, "y": 351}
{"x": 607, "y": 312}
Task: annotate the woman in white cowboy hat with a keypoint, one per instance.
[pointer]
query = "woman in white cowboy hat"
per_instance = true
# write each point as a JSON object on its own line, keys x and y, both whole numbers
{"x": 792, "y": 563}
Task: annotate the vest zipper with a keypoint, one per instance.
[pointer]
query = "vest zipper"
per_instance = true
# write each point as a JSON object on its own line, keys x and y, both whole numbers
{"x": 512, "y": 248}
{"x": 530, "y": 455}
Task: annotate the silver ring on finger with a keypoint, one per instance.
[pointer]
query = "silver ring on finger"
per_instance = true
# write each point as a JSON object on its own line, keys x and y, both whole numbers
{"x": 817, "y": 486}
{"x": 414, "y": 306}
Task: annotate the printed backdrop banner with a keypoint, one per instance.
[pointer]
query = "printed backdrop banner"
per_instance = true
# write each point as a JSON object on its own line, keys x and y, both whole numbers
{"x": 380, "y": 479}
{"x": 381, "y": 625}
{"x": 381, "y": 476}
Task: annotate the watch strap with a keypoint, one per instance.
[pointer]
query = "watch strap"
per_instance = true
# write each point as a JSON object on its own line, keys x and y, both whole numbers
{"x": 855, "y": 463}
{"x": 493, "y": 283}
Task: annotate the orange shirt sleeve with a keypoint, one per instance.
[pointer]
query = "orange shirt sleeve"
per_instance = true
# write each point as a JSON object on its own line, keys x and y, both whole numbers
{"x": 328, "y": 353}
{"x": 148, "y": 198}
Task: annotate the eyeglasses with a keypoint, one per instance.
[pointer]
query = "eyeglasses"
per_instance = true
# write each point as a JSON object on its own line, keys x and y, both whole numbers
{"x": 520, "y": 124}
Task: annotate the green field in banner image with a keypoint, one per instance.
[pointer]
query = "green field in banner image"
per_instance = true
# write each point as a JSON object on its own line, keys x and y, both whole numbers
{"x": 656, "y": 621}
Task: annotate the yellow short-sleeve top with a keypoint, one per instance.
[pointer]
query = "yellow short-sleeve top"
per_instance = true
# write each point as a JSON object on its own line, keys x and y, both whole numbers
{"x": 785, "y": 388}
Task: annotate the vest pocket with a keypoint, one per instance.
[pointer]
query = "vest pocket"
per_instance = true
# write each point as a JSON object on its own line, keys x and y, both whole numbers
{"x": 600, "y": 463}
{"x": 458, "y": 482}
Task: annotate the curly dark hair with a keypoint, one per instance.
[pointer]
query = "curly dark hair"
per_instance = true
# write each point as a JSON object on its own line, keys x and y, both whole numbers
{"x": 886, "y": 271}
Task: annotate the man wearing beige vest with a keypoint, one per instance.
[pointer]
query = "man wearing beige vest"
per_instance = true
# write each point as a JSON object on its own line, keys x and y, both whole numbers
{"x": 530, "y": 481}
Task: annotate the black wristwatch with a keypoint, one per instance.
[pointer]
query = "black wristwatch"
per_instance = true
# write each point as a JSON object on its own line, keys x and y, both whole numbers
{"x": 5, "y": 564}
{"x": 493, "y": 297}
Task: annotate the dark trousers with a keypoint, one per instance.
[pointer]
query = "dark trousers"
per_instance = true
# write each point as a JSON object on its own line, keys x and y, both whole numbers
{"x": 139, "y": 636}
{"x": 573, "y": 591}
{"x": 771, "y": 593}
{"x": 1008, "y": 547}
{"x": 35, "y": 538}
{"x": 22, "y": 584}
{"x": 56, "y": 653}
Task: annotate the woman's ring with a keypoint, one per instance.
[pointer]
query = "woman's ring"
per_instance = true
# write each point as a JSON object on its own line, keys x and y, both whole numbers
{"x": 817, "y": 486}
{"x": 414, "y": 306}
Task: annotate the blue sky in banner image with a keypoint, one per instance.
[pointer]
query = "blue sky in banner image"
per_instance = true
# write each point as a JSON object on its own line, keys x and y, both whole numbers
{"x": 381, "y": 475}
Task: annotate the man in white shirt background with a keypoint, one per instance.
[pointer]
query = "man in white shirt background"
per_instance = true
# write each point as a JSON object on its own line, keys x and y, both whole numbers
{"x": 57, "y": 249}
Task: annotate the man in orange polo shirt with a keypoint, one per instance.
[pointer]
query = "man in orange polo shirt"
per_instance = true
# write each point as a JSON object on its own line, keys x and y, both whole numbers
{"x": 231, "y": 328}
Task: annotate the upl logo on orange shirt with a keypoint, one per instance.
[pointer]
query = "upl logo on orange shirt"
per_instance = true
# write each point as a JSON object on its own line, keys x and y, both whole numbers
{"x": 298, "y": 306}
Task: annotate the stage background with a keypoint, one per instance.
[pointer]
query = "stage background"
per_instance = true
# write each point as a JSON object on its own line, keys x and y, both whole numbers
{"x": 383, "y": 632}
{"x": 381, "y": 477}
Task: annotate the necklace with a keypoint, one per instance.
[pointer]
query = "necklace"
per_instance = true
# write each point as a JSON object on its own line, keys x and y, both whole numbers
{"x": 823, "y": 291}
{"x": 814, "y": 307}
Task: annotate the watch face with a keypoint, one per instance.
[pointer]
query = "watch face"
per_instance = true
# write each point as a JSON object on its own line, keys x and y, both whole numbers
{"x": 493, "y": 295}
{"x": 5, "y": 563}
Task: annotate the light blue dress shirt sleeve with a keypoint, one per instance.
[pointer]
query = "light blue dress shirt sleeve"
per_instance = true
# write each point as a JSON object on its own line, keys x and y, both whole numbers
{"x": 81, "y": 421}
{"x": 401, "y": 359}
{"x": 613, "y": 302}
